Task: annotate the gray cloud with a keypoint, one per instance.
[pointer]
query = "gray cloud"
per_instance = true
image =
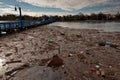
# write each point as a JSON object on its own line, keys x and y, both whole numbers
{"x": 113, "y": 10}
{"x": 64, "y": 4}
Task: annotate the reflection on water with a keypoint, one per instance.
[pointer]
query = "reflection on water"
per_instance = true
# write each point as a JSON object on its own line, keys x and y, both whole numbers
{"x": 106, "y": 26}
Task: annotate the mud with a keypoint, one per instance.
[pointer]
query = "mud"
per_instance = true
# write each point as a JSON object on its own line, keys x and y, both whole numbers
{"x": 81, "y": 56}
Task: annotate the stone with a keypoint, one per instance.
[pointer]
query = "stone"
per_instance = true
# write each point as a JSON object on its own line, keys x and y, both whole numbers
{"x": 55, "y": 62}
{"x": 38, "y": 73}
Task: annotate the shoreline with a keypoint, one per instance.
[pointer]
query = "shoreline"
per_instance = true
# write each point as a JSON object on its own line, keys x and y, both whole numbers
{"x": 79, "y": 50}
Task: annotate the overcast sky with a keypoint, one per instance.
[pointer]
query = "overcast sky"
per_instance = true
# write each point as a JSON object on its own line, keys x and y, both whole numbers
{"x": 59, "y": 7}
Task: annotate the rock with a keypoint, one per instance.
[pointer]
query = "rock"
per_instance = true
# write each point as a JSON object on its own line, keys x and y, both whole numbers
{"x": 55, "y": 62}
{"x": 38, "y": 73}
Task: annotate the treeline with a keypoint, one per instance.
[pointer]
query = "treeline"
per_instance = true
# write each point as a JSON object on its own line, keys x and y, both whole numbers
{"x": 15, "y": 17}
{"x": 93, "y": 16}
{"x": 78, "y": 17}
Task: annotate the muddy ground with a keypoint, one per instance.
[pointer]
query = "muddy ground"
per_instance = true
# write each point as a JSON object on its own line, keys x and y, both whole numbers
{"x": 79, "y": 55}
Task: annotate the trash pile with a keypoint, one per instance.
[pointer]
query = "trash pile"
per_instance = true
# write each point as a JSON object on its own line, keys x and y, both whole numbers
{"x": 56, "y": 53}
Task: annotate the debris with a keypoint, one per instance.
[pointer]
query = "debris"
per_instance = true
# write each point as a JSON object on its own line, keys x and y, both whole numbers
{"x": 79, "y": 36}
{"x": 13, "y": 73}
{"x": 8, "y": 54}
{"x": 63, "y": 66}
{"x": 98, "y": 73}
{"x": 17, "y": 61}
{"x": 56, "y": 61}
{"x": 62, "y": 34}
{"x": 114, "y": 45}
{"x": 50, "y": 41}
{"x": 101, "y": 43}
{"x": 81, "y": 55}
{"x": 70, "y": 55}
{"x": 97, "y": 66}
{"x": 44, "y": 62}
{"x": 3, "y": 32}
{"x": 92, "y": 69}
{"x": 103, "y": 73}
{"x": 108, "y": 43}
{"x": 15, "y": 68}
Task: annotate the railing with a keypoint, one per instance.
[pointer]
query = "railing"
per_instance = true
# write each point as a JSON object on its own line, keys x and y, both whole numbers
{"x": 13, "y": 26}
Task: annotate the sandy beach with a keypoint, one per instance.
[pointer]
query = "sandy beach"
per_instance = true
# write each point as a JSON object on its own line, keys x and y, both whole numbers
{"x": 79, "y": 51}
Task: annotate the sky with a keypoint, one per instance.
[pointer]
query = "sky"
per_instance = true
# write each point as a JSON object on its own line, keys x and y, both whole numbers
{"x": 59, "y": 7}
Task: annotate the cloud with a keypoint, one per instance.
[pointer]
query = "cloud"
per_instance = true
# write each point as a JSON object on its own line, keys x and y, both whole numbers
{"x": 30, "y": 13}
{"x": 9, "y": 9}
{"x": 64, "y": 4}
{"x": 44, "y": 13}
{"x": 113, "y": 10}
{"x": 5, "y": 8}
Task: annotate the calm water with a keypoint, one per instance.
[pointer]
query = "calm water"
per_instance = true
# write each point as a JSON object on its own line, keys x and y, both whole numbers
{"x": 106, "y": 26}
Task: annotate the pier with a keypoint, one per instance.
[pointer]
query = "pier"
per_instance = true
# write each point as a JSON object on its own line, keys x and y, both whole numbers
{"x": 11, "y": 26}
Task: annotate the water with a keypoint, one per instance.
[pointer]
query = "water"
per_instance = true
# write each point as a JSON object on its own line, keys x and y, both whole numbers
{"x": 106, "y": 26}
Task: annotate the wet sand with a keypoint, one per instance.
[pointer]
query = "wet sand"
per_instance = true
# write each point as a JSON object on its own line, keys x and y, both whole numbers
{"x": 83, "y": 57}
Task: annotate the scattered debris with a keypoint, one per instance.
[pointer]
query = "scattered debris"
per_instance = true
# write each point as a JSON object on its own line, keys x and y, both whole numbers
{"x": 78, "y": 54}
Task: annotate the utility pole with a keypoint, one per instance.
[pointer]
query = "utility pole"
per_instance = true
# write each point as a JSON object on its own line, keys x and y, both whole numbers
{"x": 20, "y": 16}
